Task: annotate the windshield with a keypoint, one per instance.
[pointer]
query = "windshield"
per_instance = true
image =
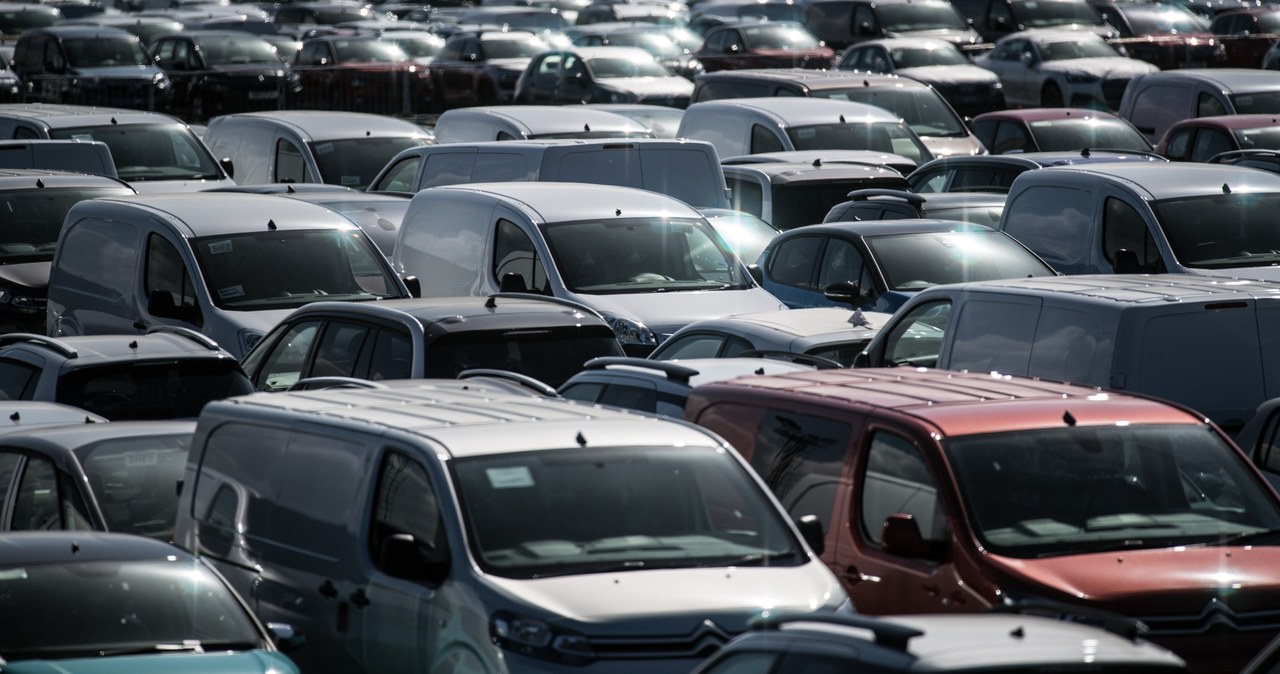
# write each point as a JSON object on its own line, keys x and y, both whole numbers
{"x": 649, "y": 255}
{"x": 605, "y": 133}
{"x": 899, "y": 17}
{"x": 550, "y": 355}
{"x": 33, "y": 219}
{"x": 913, "y": 262}
{"x": 1040, "y": 13}
{"x": 1076, "y": 134}
{"x": 169, "y": 390}
{"x": 1083, "y": 48}
{"x": 144, "y": 152}
{"x": 417, "y": 47}
{"x": 658, "y": 44}
{"x": 237, "y": 48}
{"x": 1160, "y": 22}
{"x": 773, "y": 11}
{"x": 805, "y": 203}
{"x": 1079, "y": 489}
{"x": 1258, "y": 102}
{"x": 920, "y": 107}
{"x": 662, "y": 122}
{"x": 100, "y": 52}
{"x": 918, "y": 57}
{"x": 15, "y": 21}
{"x": 371, "y": 51}
{"x": 779, "y": 37}
{"x": 1222, "y": 230}
{"x": 355, "y": 162}
{"x": 287, "y": 269}
{"x": 135, "y": 481}
{"x": 514, "y": 49}
{"x": 1266, "y": 138}
{"x": 746, "y": 234}
{"x": 891, "y": 137}
{"x": 609, "y": 509}
{"x": 608, "y": 67}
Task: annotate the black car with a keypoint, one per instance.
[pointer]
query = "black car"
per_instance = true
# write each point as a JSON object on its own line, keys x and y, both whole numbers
{"x": 89, "y": 65}
{"x": 601, "y": 75}
{"x": 222, "y": 72}
{"x": 481, "y": 68}
{"x": 661, "y": 44}
{"x": 16, "y": 17}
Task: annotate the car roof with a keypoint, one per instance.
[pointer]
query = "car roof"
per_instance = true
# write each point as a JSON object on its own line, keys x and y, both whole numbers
{"x": 86, "y": 31}
{"x": 1041, "y": 114}
{"x": 683, "y": 374}
{"x": 17, "y": 416}
{"x": 1237, "y": 80}
{"x": 782, "y": 173}
{"x": 19, "y": 548}
{"x": 1124, "y": 290}
{"x": 321, "y": 125}
{"x": 17, "y": 179}
{"x": 808, "y": 322}
{"x": 1170, "y": 180}
{"x": 461, "y": 314}
{"x": 95, "y": 350}
{"x": 1232, "y": 122}
{"x": 464, "y": 422}
{"x": 959, "y": 403}
{"x": 72, "y": 436}
{"x": 817, "y": 79}
{"x": 605, "y": 51}
{"x": 539, "y": 119}
{"x": 886, "y": 227}
{"x": 1033, "y": 160}
{"x": 1043, "y": 35}
{"x": 566, "y": 202}
{"x": 219, "y": 213}
{"x": 56, "y": 115}
{"x": 800, "y": 110}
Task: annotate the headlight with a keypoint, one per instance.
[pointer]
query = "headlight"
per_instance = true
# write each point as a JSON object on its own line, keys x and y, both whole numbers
{"x": 631, "y": 332}
{"x": 21, "y": 303}
{"x": 537, "y": 639}
{"x": 1082, "y": 78}
{"x": 248, "y": 339}
{"x": 997, "y": 86}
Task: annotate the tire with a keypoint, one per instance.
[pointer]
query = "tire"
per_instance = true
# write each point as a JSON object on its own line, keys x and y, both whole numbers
{"x": 1051, "y": 96}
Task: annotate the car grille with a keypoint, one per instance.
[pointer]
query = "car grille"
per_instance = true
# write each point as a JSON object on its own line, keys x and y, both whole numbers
{"x": 1215, "y": 616}
{"x": 705, "y": 639}
{"x": 127, "y": 94}
{"x": 1113, "y": 91}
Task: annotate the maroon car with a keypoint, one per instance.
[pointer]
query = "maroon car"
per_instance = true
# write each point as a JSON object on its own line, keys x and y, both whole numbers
{"x": 1246, "y": 34}
{"x": 1201, "y": 138}
{"x": 360, "y": 73}
{"x": 1056, "y": 129}
{"x": 752, "y": 44}
{"x": 1166, "y": 35}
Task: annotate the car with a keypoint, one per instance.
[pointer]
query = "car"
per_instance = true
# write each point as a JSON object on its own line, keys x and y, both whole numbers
{"x": 152, "y": 152}
{"x": 831, "y": 333}
{"x": 948, "y": 492}
{"x": 995, "y": 172}
{"x": 1202, "y": 138}
{"x": 601, "y": 75}
{"x": 997, "y": 19}
{"x": 221, "y": 72}
{"x": 969, "y": 89}
{"x": 1167, "y": 36}
{"x": 980, "y": 208}
{"x": 1266, "y": 160}
{"x": 661, "y": 386}
{"x": 745, "y": 234}
{"x": 18, "y": 17}
{"x": 377, "y": 214}
{"x": 168, "y": 373}
{"x": 646, "y": 261}
{"x": 482, "y": 67}
{"x": 1001, "y": 639}
{"x": 1070, "y": 130}
{"x": 661, "y": 121}
{"x": 1246, "y": 34}
{"x": 1157, "y": 101}
{"x": 878, "y": 265}
{"x": 918, "y": 104}
{"x": 751, "y": 44}
{"x": 147, "y": 28}
{"x": 437, "y": 338}
{"x": 310, "y": 146}
{"x": 362, "y": 74}
{"x": 89, "y": 65}
{"x": 790, "y": 195}
{"x": 128, "y": 602}
{"x": 10, "y": 85}
{"x": 1052, "y": 69}
{"x": 841, "y": 23}
{"x": 872, "y": 158}
{"x": 532, "y": 122}
{"x": 661, "y": 45}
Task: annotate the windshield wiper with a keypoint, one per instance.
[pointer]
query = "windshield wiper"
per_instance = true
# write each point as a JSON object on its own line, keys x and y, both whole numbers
{"x": 752, "y": 559}
{"x": 186, "y": 646}
{"x": 1248, "y": 538}
{"x": 1105, "y": 546}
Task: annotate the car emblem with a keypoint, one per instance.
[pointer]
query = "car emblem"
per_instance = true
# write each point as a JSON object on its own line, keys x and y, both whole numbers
{"x": 262, "y": 78}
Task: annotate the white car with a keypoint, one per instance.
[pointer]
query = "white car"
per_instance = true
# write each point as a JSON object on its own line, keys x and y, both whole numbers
{"x": 1053, "y": 69}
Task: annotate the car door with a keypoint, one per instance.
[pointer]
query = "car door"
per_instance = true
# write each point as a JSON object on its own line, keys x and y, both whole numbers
{"x": 790, "y": 271}
{"x": 1023, "y": 75}
{"x": 174, "y": 56}
{"x": 282, "y": 361}
{"x": 1210, "y": 142}
{"x": 543, "y": 79}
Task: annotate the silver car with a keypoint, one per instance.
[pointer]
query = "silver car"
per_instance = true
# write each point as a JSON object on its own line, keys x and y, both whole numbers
{"x": 1053, "y": 69}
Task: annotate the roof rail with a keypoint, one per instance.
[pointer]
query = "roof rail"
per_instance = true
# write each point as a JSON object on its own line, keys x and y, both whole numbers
{"x": 820, "y": 362}
{"x": 538, "y": 386}
{"x": 909, "y": 197}
{"x": 673, "y": 371}
{"x": 888, "y": 634}
{"x": 1114, "y": 623}
{"x": 197, "y": 337}
{"x": 546, "y": 298}
{"x": 1085, "y": 152}
{"x": 316, "y": 383}
{"x": 58, "y": 345}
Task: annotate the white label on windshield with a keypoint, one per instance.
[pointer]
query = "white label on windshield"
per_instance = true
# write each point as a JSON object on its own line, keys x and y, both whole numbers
{"x": 806, "y": 133}
{"x": 220, "y": 247}
{"x": 350, "y": 180}
{"x": 509, "y": 478}
{"x": 324, "y": 148}
{"x": 231, "y": 291}
{"x": 140, "y": 459}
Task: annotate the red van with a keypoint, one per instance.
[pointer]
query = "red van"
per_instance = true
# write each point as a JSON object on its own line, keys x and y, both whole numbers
{"x": 951, "y": 492}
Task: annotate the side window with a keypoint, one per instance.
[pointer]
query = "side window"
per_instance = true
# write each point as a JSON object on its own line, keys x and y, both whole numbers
{"x": 934, "y": 181}
{"x": 1179, "y": 146}
{"x": 514, "y": 255}
{"x": 1207, "y": 105}
{"x": 170, "y": 293}
{"x": 447, "y": 168}
{"x": 1210, "y": 142}
{"x": 8, "y": 466}
{"x": 994, "y": 337}
{"x": 735, "y": 346}
{"x": 290, "y": 167}
{"x": 99, "y": 257}
{"x": 17, "y": 382}
{"x": 53, "y": 60}
{"x": 405, "y": 504}
{"x": 392, "y": 356}
{"x": 224, "y": 485}
{"x": 864, "y": 21}
{"x": 1065, "y": 346}
{"x": 584, "y": 392}
{"x": 985, "y": 130}
{"x": 1000, "y": 16}
{"x": 801, "y": 459}
{"x": 1052, "y": 222}
{"x": 917, "y": 338}
{"x": 1124, "y": 229}
{"x": 1010, "y": 137}
{"x": 793, "y": 261}
{"x": 282, "y": 366}
{"x": 44, "y": 501}
{"x": 746, "y": 195}
{"x": 339, "y": 351}
{"x": 764, "y": 140}
{"x": 897, "y": 480}
{"x": 693, "y": 346}
{"x": 841, "y": 261}
{"x": 1266, "y": 453}
{"x": 401, "y": 177}
{"x": 630, "y": 397}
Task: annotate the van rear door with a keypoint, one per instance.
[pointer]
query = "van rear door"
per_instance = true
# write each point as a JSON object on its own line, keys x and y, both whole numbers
{"x": 58, "y": 155}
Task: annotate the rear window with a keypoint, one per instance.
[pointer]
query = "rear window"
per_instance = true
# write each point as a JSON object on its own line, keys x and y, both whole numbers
{"x": 551, "y": 355}
{"x": 689, "y": 175}
{"x": 135, "y": 481}
{"x": 167, "y": 390}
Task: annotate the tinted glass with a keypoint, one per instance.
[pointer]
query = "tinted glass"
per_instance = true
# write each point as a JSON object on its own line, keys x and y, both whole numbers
{"x": 355, "y": 162}
{"x": 1155, "y": 22}
{"x": 1258, "y": 102}
{"x": 151, "y": 151}
{"x": 1194, "y": 227}
{"x": 369, "y": 51}
{"x": 1055, "y": 135}
{"x": 878, "y": 136}
{"x": 779, "y": 37}
{"x": 416, "y": 47}
{"x": 801, "y": 458}
{"x": 550, "y": 355}
{"x": 897, "y": 17}
{"x": 1267, "y": 138}
{"x": 1082, "y": 48}
{"x": 172, "y": 390}
{"x": 1038, "y": 14}
{"x": 135, "y": 481}
{"x": 917, "y": 261}
{"x": 606, "y": 68}
{"x": 916, "y": 57}
{"x": 514, "y": 49}
{"x": 32, "y": 219}
{"x": 101, "y": 51}
{"x": 236, "y": 48}
{"x": 920, "y": 107}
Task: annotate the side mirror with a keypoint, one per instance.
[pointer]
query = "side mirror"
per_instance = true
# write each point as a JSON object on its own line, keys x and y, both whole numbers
{"x": 1028, "y": 59}
{"x": 401, "y": 556}
{"x": 863, "y": 359}
{"x": 845, "y": 292}
{"x": 865, "y": 28}
{"x": 160, "y": 304}
{"x": 228, "y": 166}
{"x": 756, "y": 273}
{"x": 414, "y": 285}
{"x": 811, "y": 531}
{"x": 1127, "y": 262}
{"x": 512, "y": 283}
{"x": 901, "y": 536}
{"x": 285, "y": 637}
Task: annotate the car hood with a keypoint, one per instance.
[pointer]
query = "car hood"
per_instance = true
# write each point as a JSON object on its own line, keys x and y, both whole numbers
{"x": 957, "y": 37}
{"x": 1105, "y": 66}
{"x": 249, "y": 662}
{"x": 676, "y": 601}
{"x": 141, "y": 73}
{"x": 666, "y": 312}
{"x": 651, "y": 86}
{"x": 28, "y": 275}
{"x": 944, "y": 75}
{"x": 262, "y": 320}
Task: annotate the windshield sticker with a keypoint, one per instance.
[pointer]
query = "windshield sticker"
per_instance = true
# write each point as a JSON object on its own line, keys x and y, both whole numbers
{"x": 324, "y": 148}
{"x": 806, "y": 133}
{"x": 13, "y": 574}
{"x": 509, "y": 478}
{"x": 350, "y": 180}
{"x": 231, "y": 291}
{"x": 1243, "y": 101}
{"x": 220, "y": 247}
{"x": 82, "y": 136}
{"x": 147, "y": 458}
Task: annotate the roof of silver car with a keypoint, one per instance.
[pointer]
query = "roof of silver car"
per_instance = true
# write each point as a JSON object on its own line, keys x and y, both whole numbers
{"x": 569, "y": 202}
{"x": 63, "y": 116}
{"x": 1131, "y": 289}
{"x": 321, "y": 125}
{"x": 220, "y": 213}
{"x": 799, "y": 110}
{"x": 542, "y": 119}
{"x": 817, "y": 79}
{"x": 1158, "y": 180}
{"x": 1232, "y": 80}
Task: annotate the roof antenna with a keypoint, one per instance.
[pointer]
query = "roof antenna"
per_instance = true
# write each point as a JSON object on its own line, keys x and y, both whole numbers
{"x": 490, "y": 303}
{"x": 113, "y": 121}
{"x": 271, "y": 225}
{"x": 15, "y": 416}
{"x": 586, "y": 128}
{"x": 817, "y": 163}
{"x": 1084, "y": 153}
{"x": 617, "y": 211}
{"x": 133, "y": 344}
{"x": 39, "y": 183}
{"x": 289, "y": 189}
{"x": 1068, "y": 418}
{"x": 582, "y": 439}
{"x": 1226, "y": 189}
{"x": 842, "y": 119}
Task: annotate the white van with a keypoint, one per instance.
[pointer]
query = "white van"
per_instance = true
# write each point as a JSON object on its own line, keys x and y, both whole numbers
{"x": 649, "y": 263}
{"x": 533, "y": 122}
{"x": 688, "y": 170}
{"x": 224, "y": 264}
{"x": 1209, "y": 343}
{"x": 443, "y": 528}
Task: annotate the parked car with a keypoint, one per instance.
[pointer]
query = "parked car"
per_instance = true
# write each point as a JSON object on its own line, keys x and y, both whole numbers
{"x": 648, "y": 262}
{"x": 227, "y": 265}
{"x": 152, "y": 152}
{"x": 1246, "y": 34}
{"x": 532, "y": 122}
{"x": 922, "y": 108}
{"x": 654, "y": 541}
{"x": 362, "y": 74}
{"x": 753, "y": 44}
{"x": 791, "y": 195}
{"x": 940, "y": 643}
{"x": 89, "y": 65}
{"x": 998, "y": 18}
{"x": 970, "y": 89}
{"x": 309, "y": 146}
{"x": 1266, "y": 160}
{"x": 1202, "y": 138}
{"x": 1167, "y": 36}
{"x": 439, "y": 338}
{"x": 661, "y": 45}
{"x": 745, "y": 234}
{"x": 871, "y": 158}
{"x": 956, "y": 492}
{"x": 841, "y": 23}
{"x": 996, "y": 172}
{"x": 18, "y": 17}
{"x": 1070, "y": 130}
{"x": 879, "y": 265}
{"x": 1155, "y": 102}
{"x": 1052, "y": 69}
{"x": 601, "y": 75}
{"x": 829, "y": 333}
{"x": 741, "y": 126}
{"x": 979, "y": 208}
{"x": 221, "y": 72}
{"x": 481, "y": 68}
{"x": 661, "y": 121}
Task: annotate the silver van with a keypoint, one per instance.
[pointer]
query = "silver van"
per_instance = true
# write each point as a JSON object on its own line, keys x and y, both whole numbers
{"x": 687, "y": 170}
{"x": 533, "y": 122}
{"x": 446, "y": 528}
{"x": 649, "y": 263}
{"x": 224, "y": 264}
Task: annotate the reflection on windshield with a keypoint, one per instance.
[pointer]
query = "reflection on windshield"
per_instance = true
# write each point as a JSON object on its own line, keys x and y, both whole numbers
{"x": 595, "y": 509}
{"x": 918, "y": 57}
{"x": 1083, "y": 48}
{"x": 608, "y": 67}
{"x": 920, "y": 107}
{"x": 1084, "y": 489}
{"x": 1267, "y": 138}
{"x": 1257, "y": 103}
{"x": 1222, "y": 230}
{"x": 102, "y": 52}
{"x": 33, "y": 219}
{"x": 903, "y": 17}
{"x": 891, "y": 137}
{"x": 1055, "y": 13}
{"x": 144, "y": 152}
{"x": 372, "y": 51}
{"x": 1076, "y": 134}
{"x": 139, "y": 471}
{"x": 779, "y": 37}
{"x": 234, "y": 48}
{"x": 513, "y": 49}
{"x": 354, "y": 162}
{"x": 913, "y": 262}
{"x": 642, "y": 256}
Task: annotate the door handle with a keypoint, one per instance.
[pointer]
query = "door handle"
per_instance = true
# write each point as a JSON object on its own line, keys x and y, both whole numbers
{"x": 359, "y": 599}
{"x": 853, "y": 576}
{"x": 140, "y": 326}
{"x": 327, "y": 590}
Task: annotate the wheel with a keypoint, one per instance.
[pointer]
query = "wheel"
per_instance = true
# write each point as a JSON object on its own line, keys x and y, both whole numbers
{"x": 1051, "y": 96}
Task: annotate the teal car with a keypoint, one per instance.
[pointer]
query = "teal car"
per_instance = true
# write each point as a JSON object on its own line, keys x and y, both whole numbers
{"x": 77, "y": 602}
